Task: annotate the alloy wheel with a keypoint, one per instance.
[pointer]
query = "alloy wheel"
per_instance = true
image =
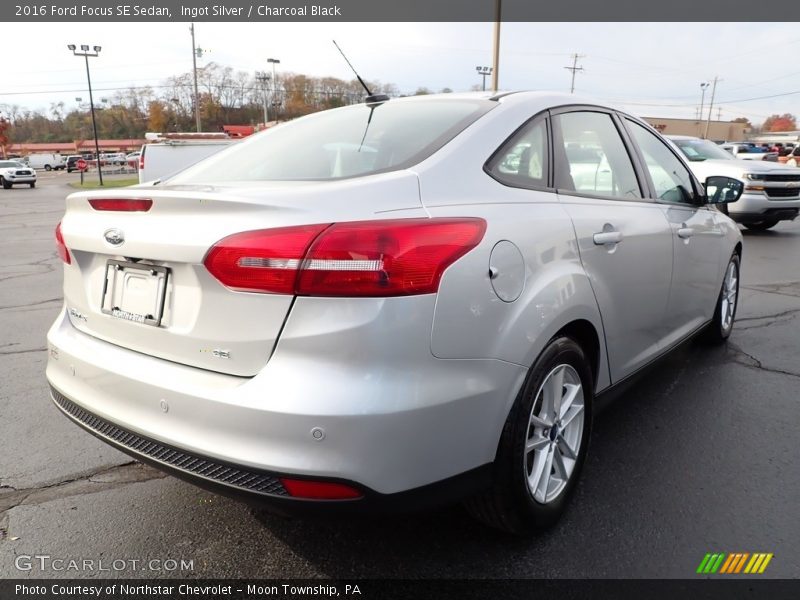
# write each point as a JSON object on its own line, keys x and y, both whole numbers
{"x": 555, "y": 433}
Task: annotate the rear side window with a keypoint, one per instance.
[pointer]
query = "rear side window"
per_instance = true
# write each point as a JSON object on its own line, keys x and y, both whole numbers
{"x": 522, "y": 162}
{"x": 594, "y": 160}
{"x": 347, "y": 142}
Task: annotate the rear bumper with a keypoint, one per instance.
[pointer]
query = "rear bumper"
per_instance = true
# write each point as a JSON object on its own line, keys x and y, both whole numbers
{"x": 263, "y": 488}
{"x": 389, "y": 425}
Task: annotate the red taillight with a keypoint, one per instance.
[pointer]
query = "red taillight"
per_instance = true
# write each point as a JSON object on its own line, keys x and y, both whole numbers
{"x": 368, "y": 258}
{"x": 386, "y": 258}
{"x": 262, "y": 261}
{"x": 63, "y": 252}
{"x": 319, "y": 490}
{"x": 141, "y": 160}
{"x": 122, "y": 204}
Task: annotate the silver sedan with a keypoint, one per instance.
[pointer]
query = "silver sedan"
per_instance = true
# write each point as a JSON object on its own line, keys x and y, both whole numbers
{"x": 392, "y": 304}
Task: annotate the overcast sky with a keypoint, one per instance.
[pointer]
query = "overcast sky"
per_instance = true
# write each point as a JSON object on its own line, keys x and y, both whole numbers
{"x": 649, "y": 69}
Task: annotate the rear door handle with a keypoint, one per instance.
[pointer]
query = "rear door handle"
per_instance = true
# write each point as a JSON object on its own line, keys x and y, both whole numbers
{"x": 607, "y": 237}
{"x": 685, "y": 232}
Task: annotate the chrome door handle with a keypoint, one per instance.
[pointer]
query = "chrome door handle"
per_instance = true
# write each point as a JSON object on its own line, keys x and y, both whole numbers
{"x": 685, "y": 232}
{"x": 607, "y": 237}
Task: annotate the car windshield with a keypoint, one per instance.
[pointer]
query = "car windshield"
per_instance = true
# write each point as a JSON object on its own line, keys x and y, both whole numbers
{"x": 699, "y": 150}
{"x": 10, "y": 164}
{"x": 346, "y": 142}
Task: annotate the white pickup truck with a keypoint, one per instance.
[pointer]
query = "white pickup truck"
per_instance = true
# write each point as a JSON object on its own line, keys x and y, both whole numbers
{"x": 167, "y": 154}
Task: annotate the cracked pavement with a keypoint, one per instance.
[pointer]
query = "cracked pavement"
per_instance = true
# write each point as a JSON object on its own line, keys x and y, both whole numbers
{"x": 699, "y": 456}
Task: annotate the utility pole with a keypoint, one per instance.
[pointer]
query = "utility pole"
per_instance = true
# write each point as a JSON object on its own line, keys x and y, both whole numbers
{"x": 719, "y": 113}
{"x": 574, "y": 68}
{"x": 711, "y": 104}
{"x": 496, "y": 45}
{"x": 263, "y": 79}
{"x": 194, "y": 69}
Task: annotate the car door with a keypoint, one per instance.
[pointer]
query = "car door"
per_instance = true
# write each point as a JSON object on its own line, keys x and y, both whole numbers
{"x": 625, "y": 242}
{"x": 696, "y": 228}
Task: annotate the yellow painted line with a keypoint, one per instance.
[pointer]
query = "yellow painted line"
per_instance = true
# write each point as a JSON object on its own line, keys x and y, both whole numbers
{"x": 751, "y": 563}
{"x": 727, "y": 563}
{"x": 741, "y": 562}
{"x": 765, "y": 563}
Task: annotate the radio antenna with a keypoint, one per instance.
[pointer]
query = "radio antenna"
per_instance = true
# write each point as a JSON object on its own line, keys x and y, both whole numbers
{"x": 371, "y": 98}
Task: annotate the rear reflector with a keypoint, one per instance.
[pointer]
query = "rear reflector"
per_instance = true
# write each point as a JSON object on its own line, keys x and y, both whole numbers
{"x": 122, "y": 204}
{"x": 320, "y": 490}
{"x": 61, "y": 246}
{"x": 367, "y": 258}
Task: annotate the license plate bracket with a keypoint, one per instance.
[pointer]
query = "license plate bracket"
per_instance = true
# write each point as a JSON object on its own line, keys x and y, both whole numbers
{"x": 135, "y": 292}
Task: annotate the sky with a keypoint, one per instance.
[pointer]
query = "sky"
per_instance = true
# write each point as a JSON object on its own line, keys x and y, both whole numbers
{"x": 647, "y": 69}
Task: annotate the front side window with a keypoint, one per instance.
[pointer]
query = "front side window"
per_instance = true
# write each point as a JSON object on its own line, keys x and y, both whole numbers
{"x": 597, "y": 162}
{"x": 522, "y": 162}
{"x": 347, "y": 142}
{"x": 671, "y": 179}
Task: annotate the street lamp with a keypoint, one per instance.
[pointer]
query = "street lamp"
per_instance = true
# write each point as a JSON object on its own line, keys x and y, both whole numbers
{"x": 85, "y": 53}
{"x": 484, "y": 72}
{"x": 263, "y": 79}
{"x": 703, "y": 87}
{"x": 274, "y": 62}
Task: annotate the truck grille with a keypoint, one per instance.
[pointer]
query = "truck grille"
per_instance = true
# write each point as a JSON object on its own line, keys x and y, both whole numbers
{"x": 251, "y": 481}
{"x": 782, "y": 192}
{"x": 24, "y": 173}
{"x": 782, "y": 177}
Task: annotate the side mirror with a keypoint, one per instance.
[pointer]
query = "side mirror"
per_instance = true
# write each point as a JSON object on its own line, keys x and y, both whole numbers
{"x": 720, "y": 190}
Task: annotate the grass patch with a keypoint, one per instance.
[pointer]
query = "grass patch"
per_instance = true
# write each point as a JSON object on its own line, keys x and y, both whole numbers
{"x": 108, "y": 183}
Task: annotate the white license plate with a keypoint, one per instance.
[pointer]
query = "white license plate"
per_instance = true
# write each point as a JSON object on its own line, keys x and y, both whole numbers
{"x": 135, "y": 292}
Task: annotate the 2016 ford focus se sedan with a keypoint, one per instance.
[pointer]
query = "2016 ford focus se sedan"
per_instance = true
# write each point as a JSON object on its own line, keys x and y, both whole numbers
{"x": 392, "y": 304}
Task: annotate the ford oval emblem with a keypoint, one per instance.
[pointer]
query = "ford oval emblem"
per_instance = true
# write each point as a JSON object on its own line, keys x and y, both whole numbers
{"x": 115, "y": 237}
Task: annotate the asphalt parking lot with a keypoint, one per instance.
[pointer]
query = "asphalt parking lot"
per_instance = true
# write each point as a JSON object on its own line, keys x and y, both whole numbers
{"x": 700, "y": 456}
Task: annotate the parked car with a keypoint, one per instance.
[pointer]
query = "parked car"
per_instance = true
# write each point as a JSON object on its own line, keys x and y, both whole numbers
{"x": 747, "y": 152}
{"x": 47, "y": 161}
{"x": 13, "y": 172}
{"x": 113, "y": 158}
{"x": 72, "y": 162}
{"x": 771, "y": 190}
{"x": 391, "y": 304}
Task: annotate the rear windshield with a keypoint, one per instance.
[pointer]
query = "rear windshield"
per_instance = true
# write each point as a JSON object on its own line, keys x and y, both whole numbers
{"x": 346, "y": 142}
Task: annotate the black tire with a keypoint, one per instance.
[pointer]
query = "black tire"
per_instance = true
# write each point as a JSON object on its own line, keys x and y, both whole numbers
{"x": 717, "y": 332}
{"x": 48, "y": 168}
{"x": 33, "y": 185}
{"x": 509, "y": 504}
{"x": 761, "y": 225}
{"x": 6, "y": 184}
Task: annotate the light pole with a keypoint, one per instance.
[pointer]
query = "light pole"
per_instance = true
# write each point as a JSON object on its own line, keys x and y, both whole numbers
{"x": 263, "y": 79}
{"x": 484, "y": 72}
{"x": 274, "y": 62}
{"x": 703, "y": 87}
{"x": 85, "y": 53}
